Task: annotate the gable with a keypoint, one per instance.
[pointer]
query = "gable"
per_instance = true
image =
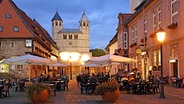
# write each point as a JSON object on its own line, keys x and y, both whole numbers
{"x": 7, "y": 7}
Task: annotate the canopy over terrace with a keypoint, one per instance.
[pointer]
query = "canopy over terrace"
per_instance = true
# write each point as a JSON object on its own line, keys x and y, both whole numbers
{"x": 110, "y": 58}
{"x": 27, "y": 60}
{"x": 110, "y": 61}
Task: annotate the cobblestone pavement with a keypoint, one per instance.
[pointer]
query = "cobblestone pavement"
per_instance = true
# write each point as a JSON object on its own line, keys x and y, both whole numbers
{"x": 73, "y": 96}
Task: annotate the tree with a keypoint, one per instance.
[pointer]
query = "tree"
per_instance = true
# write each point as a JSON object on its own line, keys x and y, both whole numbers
{"x": 97, "y": 52}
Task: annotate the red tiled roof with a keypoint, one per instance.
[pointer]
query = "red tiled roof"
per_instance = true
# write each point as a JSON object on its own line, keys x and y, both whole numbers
{"x": 28, "y": 28}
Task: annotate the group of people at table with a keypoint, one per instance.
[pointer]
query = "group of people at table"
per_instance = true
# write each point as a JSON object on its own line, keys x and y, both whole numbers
{"x": 4, "y": 87}
{"x": 58, "y": 82}
{"x": 136, "y": 85}
{"x": 131, "y": 83}
{"x": 89, "y": 82}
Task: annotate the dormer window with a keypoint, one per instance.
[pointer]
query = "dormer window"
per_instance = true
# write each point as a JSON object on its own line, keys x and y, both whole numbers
{"x": 8, "y": 15}
{"x": 15, "y": 28}
{"x": 1, "y": 28}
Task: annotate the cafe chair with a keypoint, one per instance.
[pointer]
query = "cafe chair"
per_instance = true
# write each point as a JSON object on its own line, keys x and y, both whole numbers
{"x": 6, "y": 90}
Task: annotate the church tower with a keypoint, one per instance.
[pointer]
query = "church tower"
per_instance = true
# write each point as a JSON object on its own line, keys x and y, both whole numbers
{"x": 57, "y": 23}
{"x": 84, "y": 27}
{"x": 84, "y": 24}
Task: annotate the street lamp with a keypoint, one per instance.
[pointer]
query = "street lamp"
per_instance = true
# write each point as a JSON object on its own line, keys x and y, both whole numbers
{"x": 69, "y": 56}
{"x": 161, "y": 37}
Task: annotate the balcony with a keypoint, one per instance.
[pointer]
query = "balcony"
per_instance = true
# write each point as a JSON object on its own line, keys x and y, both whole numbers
{"x": 173, "y": 25}
{"x": 133, "y": 44}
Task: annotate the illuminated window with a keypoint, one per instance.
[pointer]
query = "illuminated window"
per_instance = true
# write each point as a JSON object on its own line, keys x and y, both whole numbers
{"x": 28, "y": 43}
{"x": 156, "y": 60}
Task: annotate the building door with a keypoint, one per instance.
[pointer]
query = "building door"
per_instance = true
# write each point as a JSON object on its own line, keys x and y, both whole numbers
{"x": 175, "y": 69}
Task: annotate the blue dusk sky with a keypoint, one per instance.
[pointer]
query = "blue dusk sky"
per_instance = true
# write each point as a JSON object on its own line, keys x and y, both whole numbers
{"x": 103, "y": 15}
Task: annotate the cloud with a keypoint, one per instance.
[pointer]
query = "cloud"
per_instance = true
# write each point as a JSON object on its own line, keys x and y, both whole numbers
{"x": 101, "y": 13}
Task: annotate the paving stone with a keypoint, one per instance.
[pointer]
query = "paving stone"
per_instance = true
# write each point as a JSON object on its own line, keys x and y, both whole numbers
{"x": 73, "y": 96}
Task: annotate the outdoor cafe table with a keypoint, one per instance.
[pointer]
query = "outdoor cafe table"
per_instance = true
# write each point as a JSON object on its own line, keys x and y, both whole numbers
{"x": 142, "y": 87}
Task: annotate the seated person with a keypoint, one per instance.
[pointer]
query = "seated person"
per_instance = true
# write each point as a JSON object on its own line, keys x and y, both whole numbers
{"x": 131, "y": 78}
{"x": 124, "y": 78}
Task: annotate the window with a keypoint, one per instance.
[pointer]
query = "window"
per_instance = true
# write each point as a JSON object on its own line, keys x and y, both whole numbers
{"x": 156, "y": 18}
{"x": 174, "y": 11}
{"x": 125, "y": 41}
{"x": 75, "y": 36}
{"x": 145, "y": 25}
{"x": 174, "y": 52}
{"x": 0, "y": 43}
{"x": 159, "y": 17}
{"x": 84, "y": 24}
{"x": 15, "y": 28}
{"x": 64, "y": 36}
{"x": 154, "y": 21}
{"x": 156, "y": 59}
{"x": 70, "y": 36}
{"x": 8, "y": 15}
{"x": 28, "y": 43}
{"x": 12, "y": 44}
{"x": 56, "y": 23}
{"x": 1, "y": 28}
{"x": 134, "y": 34}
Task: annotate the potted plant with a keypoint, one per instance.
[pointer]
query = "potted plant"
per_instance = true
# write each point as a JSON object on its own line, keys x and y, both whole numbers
{"x": 109, "y": 90}
{"x": 38, "y": 92}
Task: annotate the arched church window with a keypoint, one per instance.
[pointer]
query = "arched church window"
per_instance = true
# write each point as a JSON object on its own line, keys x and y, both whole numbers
{"x": 70, "y": 36}
{"x": 12, "y": 44}
{"x": 75, "y": 36}
{"x": 64, "y": 36}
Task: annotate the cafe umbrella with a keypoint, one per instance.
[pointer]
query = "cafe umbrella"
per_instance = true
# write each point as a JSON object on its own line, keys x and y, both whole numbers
{"x": 26, "y": 60}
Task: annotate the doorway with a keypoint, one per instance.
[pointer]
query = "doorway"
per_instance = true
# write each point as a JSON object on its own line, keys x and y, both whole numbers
{"x": 174, "y": 67}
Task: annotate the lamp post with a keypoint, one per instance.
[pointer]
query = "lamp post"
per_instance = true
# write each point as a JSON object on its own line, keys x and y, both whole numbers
{"x": 161, "y": 37}
{"x": 70, "y": 59}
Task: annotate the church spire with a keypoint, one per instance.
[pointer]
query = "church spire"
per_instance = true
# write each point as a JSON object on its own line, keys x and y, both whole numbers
{"x": 84, "y": 17}
{"x": 57, "y": 17}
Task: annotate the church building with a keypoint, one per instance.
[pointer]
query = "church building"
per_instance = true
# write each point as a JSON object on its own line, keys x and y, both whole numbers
{"x": 73, "y": 42}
